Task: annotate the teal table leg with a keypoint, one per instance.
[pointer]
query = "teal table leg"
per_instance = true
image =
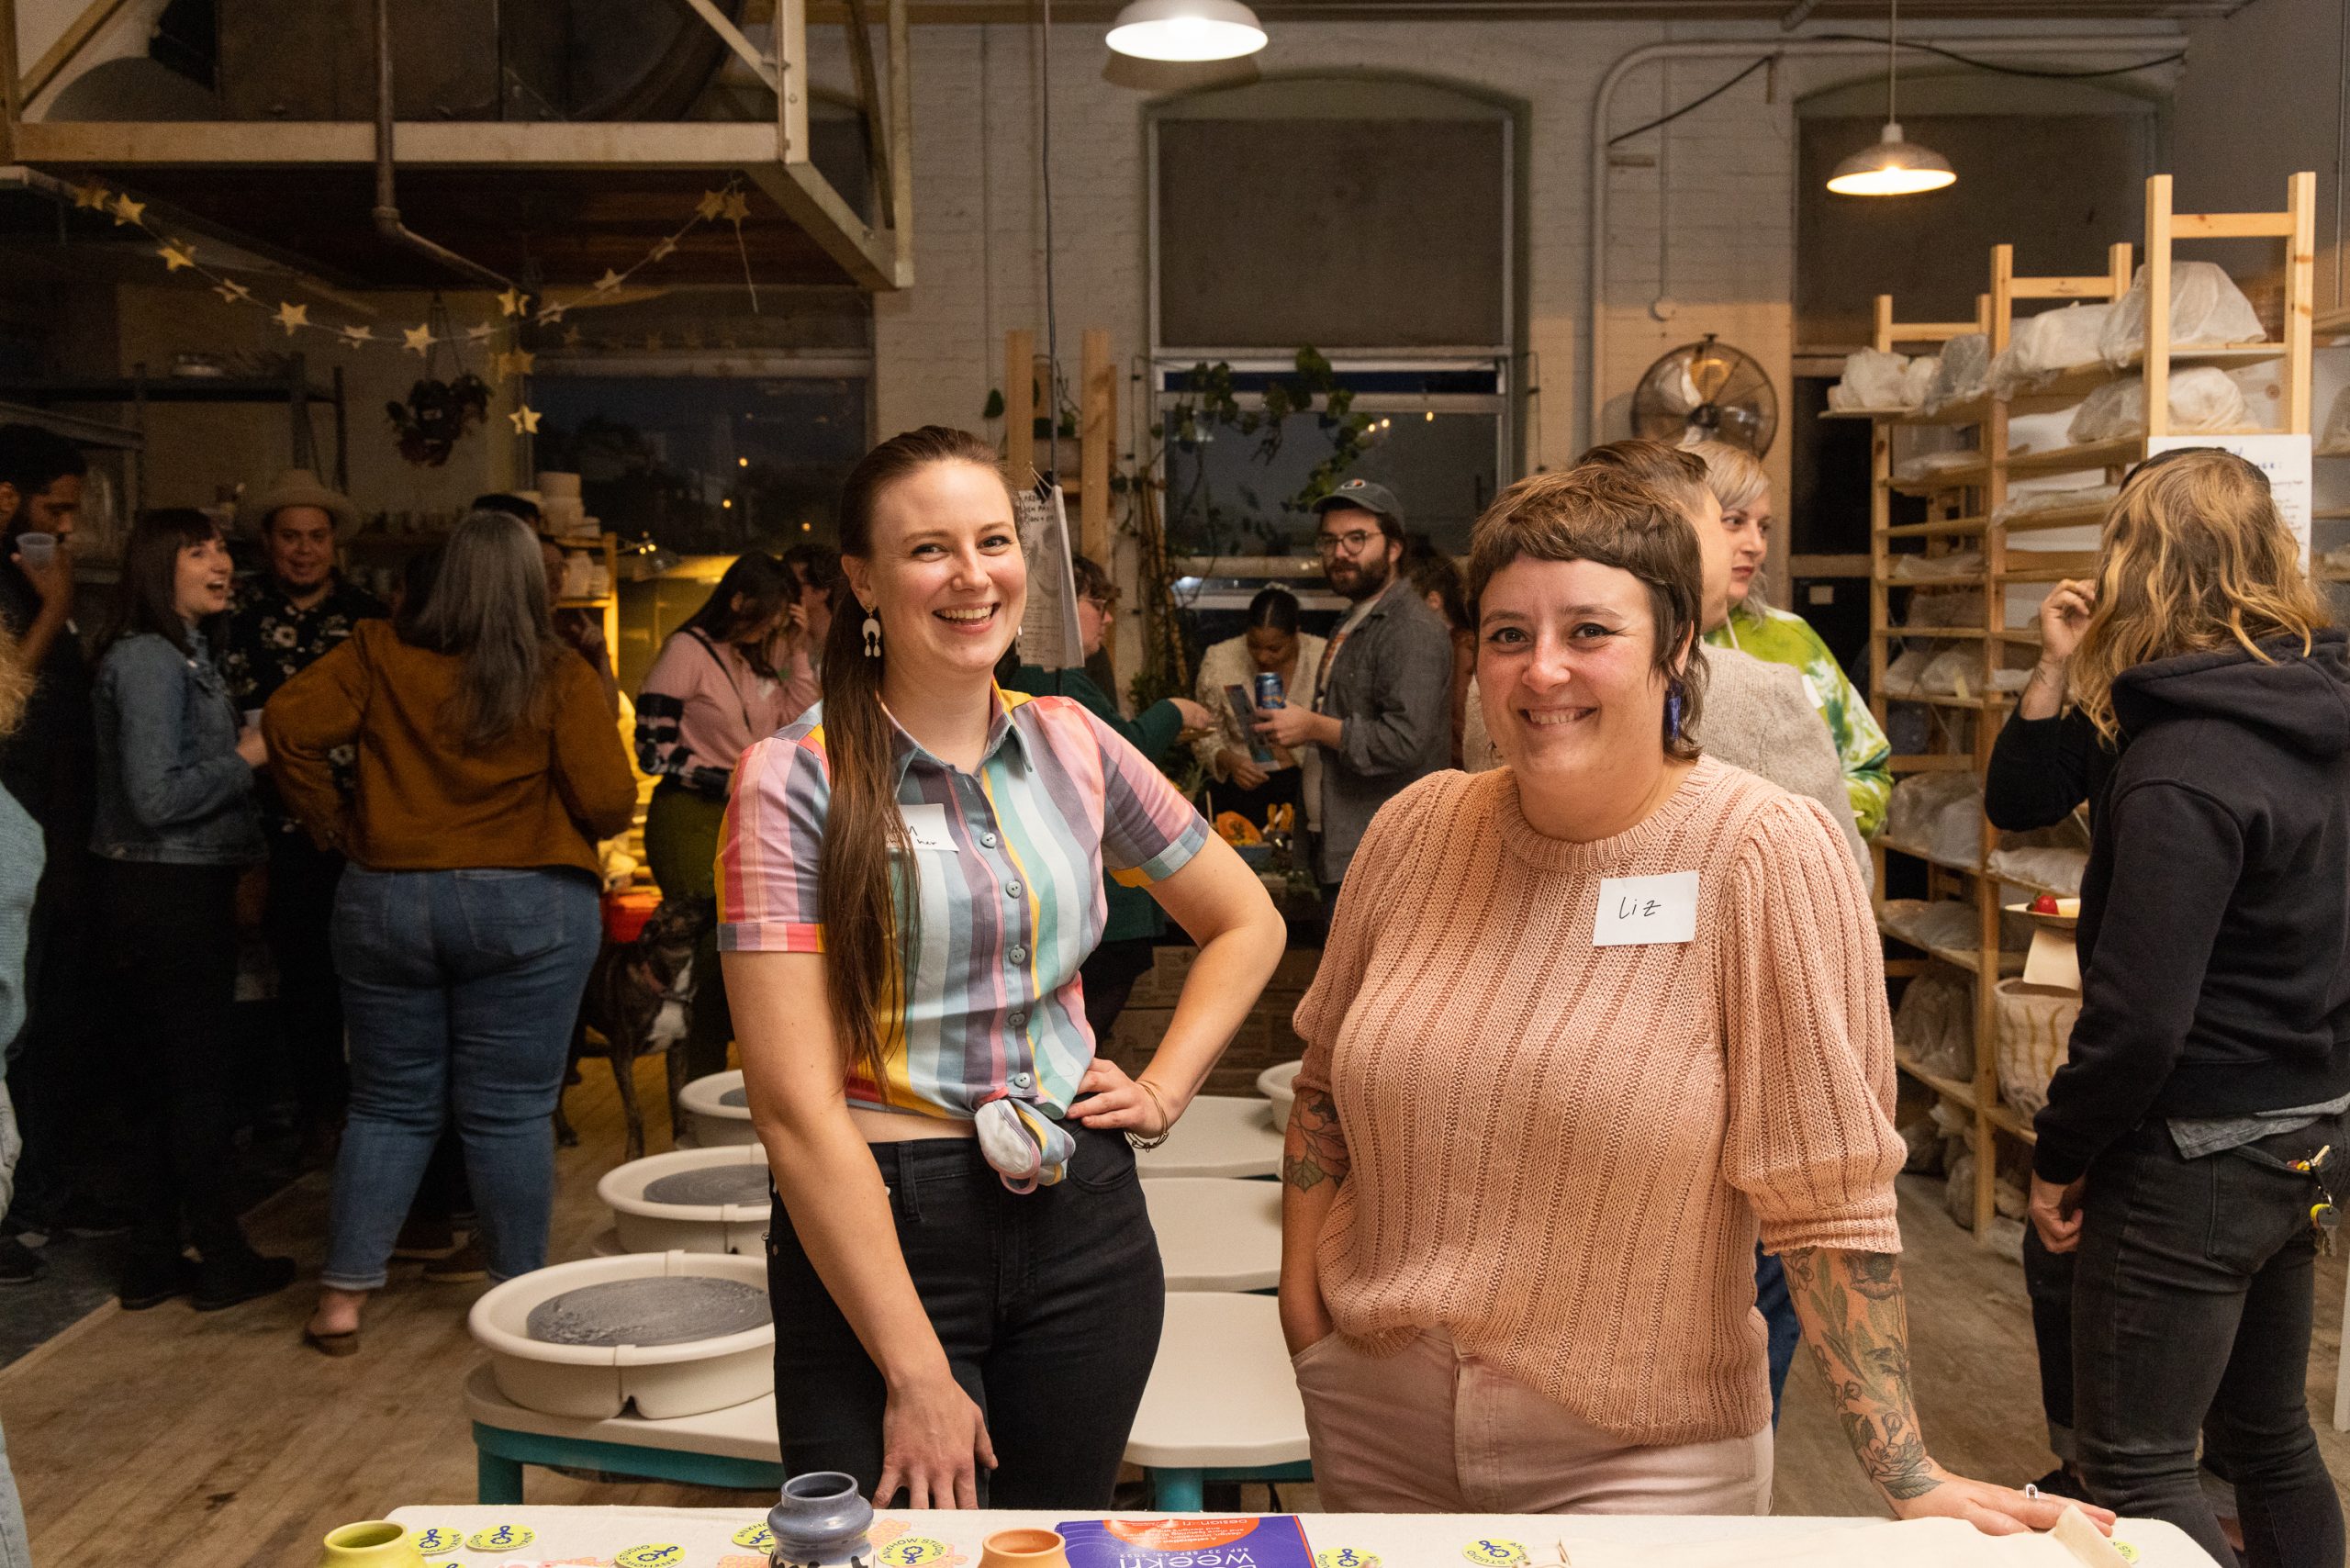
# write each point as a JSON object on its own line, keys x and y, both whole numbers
{"x": 496, "y": 1479}
{"x": 1178, "y": 1491}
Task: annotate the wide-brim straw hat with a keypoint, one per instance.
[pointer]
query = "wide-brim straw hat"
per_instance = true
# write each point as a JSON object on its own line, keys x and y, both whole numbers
{"x": 296, "y": 488}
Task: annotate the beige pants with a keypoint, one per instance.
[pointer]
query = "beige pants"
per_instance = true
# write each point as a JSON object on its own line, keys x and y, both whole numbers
{"x": 1430, "y": 1430}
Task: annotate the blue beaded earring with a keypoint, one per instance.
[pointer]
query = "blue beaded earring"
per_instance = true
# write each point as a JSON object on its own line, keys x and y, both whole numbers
{"x": 1673, "y": 713}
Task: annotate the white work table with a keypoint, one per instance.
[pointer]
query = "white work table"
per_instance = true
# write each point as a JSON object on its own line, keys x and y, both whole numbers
{"x": 705, "y": 1538}
{"x": 1217, "y": 1233}
{"x": 1219, "y": 1135}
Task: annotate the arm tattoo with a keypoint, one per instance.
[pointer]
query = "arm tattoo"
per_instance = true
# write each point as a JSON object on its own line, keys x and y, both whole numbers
{"x": 1317, "y": 1148}
{"x": 1857, "y": 1322}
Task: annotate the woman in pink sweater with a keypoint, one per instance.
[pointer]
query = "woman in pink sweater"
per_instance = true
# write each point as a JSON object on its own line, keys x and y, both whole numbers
{"x": 1583, "y": 1024}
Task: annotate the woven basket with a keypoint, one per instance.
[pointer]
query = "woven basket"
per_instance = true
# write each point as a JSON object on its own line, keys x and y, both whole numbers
{"x": 2032, "y": 1027}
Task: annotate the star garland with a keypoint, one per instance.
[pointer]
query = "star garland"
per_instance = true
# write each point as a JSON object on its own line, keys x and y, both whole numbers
{"x": 728, "y": 204}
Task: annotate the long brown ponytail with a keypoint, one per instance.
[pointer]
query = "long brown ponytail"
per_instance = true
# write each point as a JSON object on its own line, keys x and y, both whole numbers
{"x": 868, "y": 937}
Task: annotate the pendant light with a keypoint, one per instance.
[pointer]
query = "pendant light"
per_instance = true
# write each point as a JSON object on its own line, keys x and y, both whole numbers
{"x": 1894, "y": 166}
{"x": 1187, "y": 30}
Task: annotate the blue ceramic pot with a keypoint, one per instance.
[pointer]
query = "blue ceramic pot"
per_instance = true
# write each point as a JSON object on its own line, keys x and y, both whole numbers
{"x": 820, "y": 1518}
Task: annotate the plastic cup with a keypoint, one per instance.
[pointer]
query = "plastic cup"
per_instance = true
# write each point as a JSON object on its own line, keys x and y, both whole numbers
{"x": 37, "y": 549}
{"x": 252, "y": 718}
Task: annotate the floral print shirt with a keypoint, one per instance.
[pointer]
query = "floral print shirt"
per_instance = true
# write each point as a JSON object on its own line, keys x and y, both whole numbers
{"x": 269, "y": 640}
{"x": 1782, "y": 637}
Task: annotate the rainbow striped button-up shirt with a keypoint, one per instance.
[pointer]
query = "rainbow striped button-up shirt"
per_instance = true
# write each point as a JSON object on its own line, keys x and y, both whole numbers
{"x": 990, "y": 1005}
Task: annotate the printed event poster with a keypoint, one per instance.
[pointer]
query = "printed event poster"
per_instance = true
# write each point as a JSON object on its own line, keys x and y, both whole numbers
{"x": 1274, "y": 1540}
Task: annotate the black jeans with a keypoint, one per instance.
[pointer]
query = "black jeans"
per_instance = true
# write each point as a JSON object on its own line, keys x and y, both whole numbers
{"x": 1048, "y": 1306}
{"x": 2192, "y": 1297}
{"x": 172, "y": 967}
{"x": 311, "y": 1065}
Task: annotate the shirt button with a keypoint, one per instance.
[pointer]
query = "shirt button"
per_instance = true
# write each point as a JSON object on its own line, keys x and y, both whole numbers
{"x": 1021, "y": 1080}
{"x": 1018, "y": 955}
{"x": 988, "y": 839}
{"x": 1016, "y": 1020}
{"x": 1012, "y": 892}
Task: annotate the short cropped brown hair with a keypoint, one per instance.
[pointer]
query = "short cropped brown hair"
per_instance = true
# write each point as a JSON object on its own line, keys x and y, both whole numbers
{"x": 1599, "y": 513}
{"x": 1675, "y": 473}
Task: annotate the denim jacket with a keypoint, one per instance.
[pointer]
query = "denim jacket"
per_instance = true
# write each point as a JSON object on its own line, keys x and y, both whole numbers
{"x": 171, "y": 785}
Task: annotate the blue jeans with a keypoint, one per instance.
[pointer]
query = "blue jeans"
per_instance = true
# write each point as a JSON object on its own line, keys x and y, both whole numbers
{"x": 14, "y": 1551}
{"x": 460, "y": 988}
{"x": 1778, "y": 1310}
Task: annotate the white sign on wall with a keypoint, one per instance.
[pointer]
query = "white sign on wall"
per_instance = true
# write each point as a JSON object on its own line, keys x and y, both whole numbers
{"x": 2284, "y": 458}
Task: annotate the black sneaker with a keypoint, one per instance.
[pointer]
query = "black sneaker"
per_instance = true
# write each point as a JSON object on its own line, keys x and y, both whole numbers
{"x": 149, "y": 1282}
{"x": 239, "y": 1277}
{"x": 18, "y": 1264}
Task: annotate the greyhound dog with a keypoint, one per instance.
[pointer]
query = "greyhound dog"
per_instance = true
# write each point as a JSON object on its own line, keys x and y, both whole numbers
{"x": 640, "y": 999}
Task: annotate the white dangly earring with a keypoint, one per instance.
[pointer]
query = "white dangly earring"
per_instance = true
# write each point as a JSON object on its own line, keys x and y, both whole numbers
{"x": 872, "y": 635}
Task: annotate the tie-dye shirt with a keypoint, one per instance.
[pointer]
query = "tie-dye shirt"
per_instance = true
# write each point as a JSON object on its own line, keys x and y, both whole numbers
{"x": 1011, "y": 901}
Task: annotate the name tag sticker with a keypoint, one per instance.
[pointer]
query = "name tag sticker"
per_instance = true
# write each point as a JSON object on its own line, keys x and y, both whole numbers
{"x": 926, "y": 827}
{"x": 1633, "y": 910}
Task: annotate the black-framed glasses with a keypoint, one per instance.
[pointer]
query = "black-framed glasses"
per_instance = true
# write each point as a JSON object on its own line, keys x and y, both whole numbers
{"x": 1344, "y": 543}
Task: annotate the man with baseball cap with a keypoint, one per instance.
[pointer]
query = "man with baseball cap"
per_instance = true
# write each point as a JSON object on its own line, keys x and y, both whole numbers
{"x": 296, "y": 611}
{"x": 1381, "y": 703}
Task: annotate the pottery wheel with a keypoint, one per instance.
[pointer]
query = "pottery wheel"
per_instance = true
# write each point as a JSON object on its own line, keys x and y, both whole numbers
{"x": 669, "y": 1309}
{"x": 711, "y": 1185}
{"x": 736, "y": 1097}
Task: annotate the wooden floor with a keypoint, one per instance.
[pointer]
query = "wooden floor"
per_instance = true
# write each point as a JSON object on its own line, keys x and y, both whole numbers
{"x": 167, "y": 1437}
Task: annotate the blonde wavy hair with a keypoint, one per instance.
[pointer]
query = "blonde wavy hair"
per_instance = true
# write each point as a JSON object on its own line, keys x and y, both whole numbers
{"x": 15, "y": 683}
{"x": 2195, "y": 557}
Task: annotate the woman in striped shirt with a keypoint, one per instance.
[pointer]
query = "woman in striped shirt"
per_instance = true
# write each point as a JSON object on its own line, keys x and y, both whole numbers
{"x": 963, "y": 1275}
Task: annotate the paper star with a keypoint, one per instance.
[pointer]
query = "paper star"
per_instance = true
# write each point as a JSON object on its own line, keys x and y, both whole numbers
{"x": 520, "y": 362}
{"x": 712, "y": 203}
{"x": 608, "y": 282}
{"x": 354, "y": 336}
{"x": 128, "y": 211}
{"x": 664, "y": 250}
{"x": 525, "y": 420}
{"x": 175, "y": 255}
{"x": 292, "y": 315}
{"x": 92, "y": 197}
{"x": 419, "y": 341}
{"x": 232, "y": 291}
{"x": 736, "y": 209}
{"x": 551, "y": 312}
{"x": 513, "y": 302}
{"x": 479, "y": 334}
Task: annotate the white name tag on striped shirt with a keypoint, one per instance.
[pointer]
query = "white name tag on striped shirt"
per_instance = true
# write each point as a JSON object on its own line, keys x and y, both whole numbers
{"x": 926, "y": 827}
{"x": 1646, "y": 909}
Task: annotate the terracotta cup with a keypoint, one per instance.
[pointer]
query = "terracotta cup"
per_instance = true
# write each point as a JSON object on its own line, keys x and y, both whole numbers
{"x": 1024, "y": 1548}
{"x": 370, "y": 1543}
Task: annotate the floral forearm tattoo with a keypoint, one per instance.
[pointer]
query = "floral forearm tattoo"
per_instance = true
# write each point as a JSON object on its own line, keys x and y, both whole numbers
{"x": 1858, "y": 1325}
{"x": 1316, "y": 1150}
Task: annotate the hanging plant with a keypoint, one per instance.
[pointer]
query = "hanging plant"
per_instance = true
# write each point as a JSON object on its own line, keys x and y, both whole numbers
{"x": 436, "y": 417}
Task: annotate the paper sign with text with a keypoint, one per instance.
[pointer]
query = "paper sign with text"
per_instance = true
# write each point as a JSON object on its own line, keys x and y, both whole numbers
{"x": 1274, "y": 1540}
{"x": 1646, "y": 909}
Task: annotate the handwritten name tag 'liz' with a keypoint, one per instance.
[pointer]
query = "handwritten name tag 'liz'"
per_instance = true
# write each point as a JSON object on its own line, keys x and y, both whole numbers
{"x": 1646, "y": 909}
{"x": 926, "y": 827}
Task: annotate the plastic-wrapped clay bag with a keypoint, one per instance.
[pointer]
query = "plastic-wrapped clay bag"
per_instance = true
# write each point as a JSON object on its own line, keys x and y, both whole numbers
{"x": 1926, "y": 464}
{"x": 2202, "y": 398}
{"x": 2027, "y": 503}
{"x": 2052, "y": 341}
{"x": 1923, "y": 1140}
{"x": 1958, "y": 1195}
{"x": 1872, "y": 379}
{"x": 1955, "y": 672}
{"x": 1940, "y": 813}
{"x": 1962, "y": 607}
{"x": 2336, "y": 441}
{"x": 1935, "y": 1022}
{"x": 1916, "y": 568}
{"x": 2045, "y": 858}
{"x": 1904, "y": 673}
{"x": 1964, "y": 369}
{"x": 1919, "y": 379}
{"x": 2206, "y": 307}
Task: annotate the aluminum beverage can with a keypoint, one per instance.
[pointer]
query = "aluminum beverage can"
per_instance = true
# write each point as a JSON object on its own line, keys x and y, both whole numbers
{"x": 1269, "y": 689}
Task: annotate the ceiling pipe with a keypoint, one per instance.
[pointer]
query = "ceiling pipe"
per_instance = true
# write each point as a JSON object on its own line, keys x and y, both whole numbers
{"x": 1595, "y": 335}
{"x": 387, "y": 206}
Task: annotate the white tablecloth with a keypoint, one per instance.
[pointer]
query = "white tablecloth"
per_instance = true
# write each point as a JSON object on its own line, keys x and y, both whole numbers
{"x": 583, "y": 1536}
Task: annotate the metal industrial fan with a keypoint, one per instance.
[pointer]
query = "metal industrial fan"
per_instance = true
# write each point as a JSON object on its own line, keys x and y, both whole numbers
{"x": 1706, "y": 391}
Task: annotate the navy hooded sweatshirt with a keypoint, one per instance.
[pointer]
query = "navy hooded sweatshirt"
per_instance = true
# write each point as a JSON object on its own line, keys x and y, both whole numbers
{"x": 2215, "y": 911}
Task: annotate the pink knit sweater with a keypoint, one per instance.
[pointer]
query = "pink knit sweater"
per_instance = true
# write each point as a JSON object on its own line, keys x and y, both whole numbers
{"x": 1561, "y": 1151}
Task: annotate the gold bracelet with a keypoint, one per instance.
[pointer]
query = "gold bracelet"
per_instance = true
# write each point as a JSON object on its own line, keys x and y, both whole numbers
{"x": 1166, "y": 1122}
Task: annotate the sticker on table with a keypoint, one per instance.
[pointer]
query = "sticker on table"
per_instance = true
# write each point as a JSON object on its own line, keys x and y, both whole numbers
{"x": 1348, "y": 1557}
{"x": 913, "y": 1551}
{"x": 759, "y": 1537}
{"x": 2129, "y": 1552}
{"x": 656, "y": 1554}
{"x": 1494, "y": 1553}
{"x": 438, "y": 1540}
{"x": 502, "y": 1538}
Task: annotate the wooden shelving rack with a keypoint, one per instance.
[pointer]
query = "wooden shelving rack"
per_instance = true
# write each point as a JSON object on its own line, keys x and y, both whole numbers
{"x": 1963, "y": 507}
